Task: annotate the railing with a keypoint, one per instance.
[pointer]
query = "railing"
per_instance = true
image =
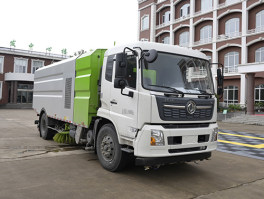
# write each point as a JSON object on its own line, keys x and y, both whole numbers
{"x": 233, "y": 69}
{"x": 160, "y": 1}
{"x": 141, "y": 1}
{"x": 163, "y": 25}
{"x": 33, "y": 52}
{"x": 229, "y": 36}
{"x": 184, "y": 45}
{"x": 204, "y": 41}
{"x": 256, "y": 30}
{"x": 181, "y": 18}
{"x": 228, "y": 3}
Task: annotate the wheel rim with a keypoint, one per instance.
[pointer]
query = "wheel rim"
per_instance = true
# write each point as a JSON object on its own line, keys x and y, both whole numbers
{"x": 107, "y": 148}
{"x": 43, "y": 125}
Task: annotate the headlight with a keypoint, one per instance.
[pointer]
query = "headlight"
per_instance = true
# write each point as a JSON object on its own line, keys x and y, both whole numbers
{"x": 157, "y": 138}
{"x": 214, "y": 135}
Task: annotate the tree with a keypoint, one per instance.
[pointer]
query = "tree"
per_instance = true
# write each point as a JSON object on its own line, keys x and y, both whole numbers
{"x": 48, "y": 49}
{"x": 64, "y": 51}
{"x": 79, "y": 52}
{"x": 31, "y": 46}
{"x": 13, "y": 43}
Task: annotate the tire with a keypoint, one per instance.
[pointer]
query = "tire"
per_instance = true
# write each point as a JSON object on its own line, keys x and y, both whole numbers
{"x": 109, "y": 150}
{"x": 45, "y": 132}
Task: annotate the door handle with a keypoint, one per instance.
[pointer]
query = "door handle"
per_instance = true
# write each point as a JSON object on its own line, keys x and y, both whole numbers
{"x": 113, "y": 102}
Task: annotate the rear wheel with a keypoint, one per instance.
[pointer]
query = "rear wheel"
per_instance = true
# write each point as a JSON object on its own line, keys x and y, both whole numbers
{"x": 109, "y": 150}
{"x": 45, "y": 132}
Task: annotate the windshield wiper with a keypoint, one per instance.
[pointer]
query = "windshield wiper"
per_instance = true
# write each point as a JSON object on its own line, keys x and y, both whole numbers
{"x": 203, "y": 92}
{"x": 174, "y": 90}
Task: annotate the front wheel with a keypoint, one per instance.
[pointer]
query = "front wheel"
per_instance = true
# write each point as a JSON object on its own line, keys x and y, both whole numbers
{"x": 109, "y": 150}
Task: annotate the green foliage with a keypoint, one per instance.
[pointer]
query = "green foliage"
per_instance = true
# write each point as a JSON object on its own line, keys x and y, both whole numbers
{"x": 13, "y": 43}
{"x": 259, "y": 104}
{"x": 49, "y": 49}
{"x": 79, "y": 52}
{"x": 64, "y": 51}
{"x": 234, "y": 107}
{"x": 30, "y": 46}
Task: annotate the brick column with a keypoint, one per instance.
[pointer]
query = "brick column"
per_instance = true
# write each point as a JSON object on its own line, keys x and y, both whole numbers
{"x": 250, "y": 93}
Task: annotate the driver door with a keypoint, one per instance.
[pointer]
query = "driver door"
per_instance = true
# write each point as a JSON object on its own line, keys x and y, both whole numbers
{"x": 123, "y": 109}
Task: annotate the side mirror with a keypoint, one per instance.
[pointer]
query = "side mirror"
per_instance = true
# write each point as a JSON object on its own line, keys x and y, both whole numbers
{"x": 220, "y": 82}
{"x": 120, "y": 83}
{"x": 121, "y": 65}
{"x": 151, "y": 56}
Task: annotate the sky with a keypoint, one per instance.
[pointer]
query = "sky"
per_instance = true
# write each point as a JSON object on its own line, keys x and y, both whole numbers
{"x": 70, "y": 24}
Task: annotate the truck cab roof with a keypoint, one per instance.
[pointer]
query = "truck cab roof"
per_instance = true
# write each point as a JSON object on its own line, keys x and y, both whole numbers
{"x": 159, "y": 47}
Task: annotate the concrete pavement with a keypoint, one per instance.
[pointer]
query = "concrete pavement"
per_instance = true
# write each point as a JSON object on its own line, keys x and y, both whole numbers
{"x": 58, "y": 171}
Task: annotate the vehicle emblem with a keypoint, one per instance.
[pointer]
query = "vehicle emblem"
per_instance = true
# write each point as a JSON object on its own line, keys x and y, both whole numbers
{"x": 191, "y": 107}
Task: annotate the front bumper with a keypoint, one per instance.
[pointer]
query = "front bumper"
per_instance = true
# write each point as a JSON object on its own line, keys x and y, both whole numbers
{"x": 171, "y": 160}
{"x": 188, "y": 145}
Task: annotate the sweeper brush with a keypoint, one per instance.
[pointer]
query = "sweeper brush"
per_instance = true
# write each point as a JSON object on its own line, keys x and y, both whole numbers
{"x": 64, "y": 137}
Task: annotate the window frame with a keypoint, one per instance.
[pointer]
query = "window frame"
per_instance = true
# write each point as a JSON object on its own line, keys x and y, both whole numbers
{"x": 234, "y": 67}
{"x": 260, "y": 14}
{"x": 107, "y": 75}
{"x": 203, "y": 29}
{"x": 188, "y": 38}
{"x": 206, "y": 8}
{"x": 230, "y": 23}
{"x": 164, "y": 16}
{"x": 21, "y": 58}
{"x": 1, "y": 89}
{"x": 258, "y": 89}
{"x": 142, "y": 20}
{"x": 2, "y": 68}
{"x": 261, "y": 54}
{"x": 184, "y": 8}
{"x": 33, "y": 66}
{"x": 227, "y": 89}
{"x": 167, "y": 38}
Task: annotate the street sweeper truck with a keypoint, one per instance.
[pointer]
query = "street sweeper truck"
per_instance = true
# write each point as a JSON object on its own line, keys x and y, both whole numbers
{"x": 149, "y": 102}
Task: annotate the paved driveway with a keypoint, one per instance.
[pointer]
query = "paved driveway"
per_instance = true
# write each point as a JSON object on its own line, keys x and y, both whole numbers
{"x": 33, "y": 168}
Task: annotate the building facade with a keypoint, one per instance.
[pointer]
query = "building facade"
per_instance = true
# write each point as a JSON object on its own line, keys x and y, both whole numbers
{"x": 17, "y": 68}
{"x": 227, "y": 31}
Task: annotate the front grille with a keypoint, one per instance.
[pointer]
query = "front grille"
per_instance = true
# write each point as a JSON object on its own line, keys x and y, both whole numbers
{"x": 202, "y": 148}
{"x": 177, "y": 114}
{"x": 174, "y": 109}
{"x": 178, "y": 126}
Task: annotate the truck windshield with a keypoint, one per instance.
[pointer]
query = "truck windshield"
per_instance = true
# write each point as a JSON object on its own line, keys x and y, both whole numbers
{"x": 179, "y": 74}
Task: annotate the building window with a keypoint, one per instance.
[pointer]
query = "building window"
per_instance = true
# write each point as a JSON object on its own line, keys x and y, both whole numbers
{"x": 260, "y": 20}
{"x": 185, "y": 10}
{"x": 231, "y": 62}
{"x": 206, "y": 33}
{"x": 1, "y": 86}
{"x": 231, "y": 95}
{"x": 209, "y": 58}
{"x": 24, "y": 93}
{"x": 20, "y": 65}
{"x": 232, "y": 27}
{"x": 1, "y": 64}
{"x": 145, "y": 23}
{"x": 36, "y": 64}
{"x": 259, "y": 55}
{"x": 206, "y": 5}
{"x": 259, "y": 93}
{"x": 166, "y": 17}
{"x": 166, "y": 40}
{"x": 184, "y": 39}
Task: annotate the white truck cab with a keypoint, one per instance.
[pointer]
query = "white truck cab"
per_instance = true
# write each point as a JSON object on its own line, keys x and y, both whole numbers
{"x": 166, "y": 111}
